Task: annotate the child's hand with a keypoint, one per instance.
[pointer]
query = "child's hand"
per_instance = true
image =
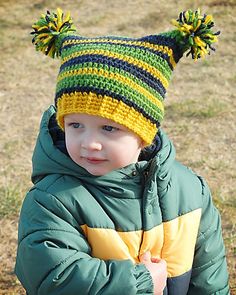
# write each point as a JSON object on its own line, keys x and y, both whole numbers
{"x": 158, "y": 271}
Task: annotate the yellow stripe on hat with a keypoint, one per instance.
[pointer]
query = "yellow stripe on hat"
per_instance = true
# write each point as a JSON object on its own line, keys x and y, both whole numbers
{"x": 107, "y": 107}
{"x": 150, "y": 69}
{"x": 154, "y": 47}
{"x": 117, "y": 77}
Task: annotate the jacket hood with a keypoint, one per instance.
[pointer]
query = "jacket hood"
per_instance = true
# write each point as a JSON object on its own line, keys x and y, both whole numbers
{"x": 48, "y": 159}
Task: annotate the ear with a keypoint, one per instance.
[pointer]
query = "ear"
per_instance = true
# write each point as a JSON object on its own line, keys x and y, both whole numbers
{"x": 143, "y": 144}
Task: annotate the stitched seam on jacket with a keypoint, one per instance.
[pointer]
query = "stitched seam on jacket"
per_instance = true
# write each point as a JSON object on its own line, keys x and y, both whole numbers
{"x": 54, "y": 196}
{"x": 47, "y": 230}
{"x": 52, "y": 269}
{"x": 212, "y": 261}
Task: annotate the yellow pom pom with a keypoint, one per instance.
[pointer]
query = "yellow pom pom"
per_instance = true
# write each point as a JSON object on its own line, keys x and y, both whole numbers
{"x": 196, "y": 32}
{"x": 49, "y": 29}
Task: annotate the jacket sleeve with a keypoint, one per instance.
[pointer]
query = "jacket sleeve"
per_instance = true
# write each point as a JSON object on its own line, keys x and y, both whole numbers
{"x": 209, "y": 273}
{"x": 53, "y": 256}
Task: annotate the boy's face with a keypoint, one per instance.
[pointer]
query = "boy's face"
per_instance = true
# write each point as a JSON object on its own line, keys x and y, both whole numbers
{"x": 100, "y": 145}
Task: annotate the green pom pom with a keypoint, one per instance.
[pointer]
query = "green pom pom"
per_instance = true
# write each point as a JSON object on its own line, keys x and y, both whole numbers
{"x": 195, "y": 33}
{"x": 49, "y": 29}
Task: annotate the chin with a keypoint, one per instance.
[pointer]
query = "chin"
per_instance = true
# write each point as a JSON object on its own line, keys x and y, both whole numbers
{"x": 96, "y": 172}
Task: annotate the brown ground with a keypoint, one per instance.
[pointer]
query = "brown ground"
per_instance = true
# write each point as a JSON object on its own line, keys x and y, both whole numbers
{"x": 200, "y": 112}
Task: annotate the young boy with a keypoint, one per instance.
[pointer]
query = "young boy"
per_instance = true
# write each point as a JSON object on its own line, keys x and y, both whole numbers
{"x": 111, "y": 210}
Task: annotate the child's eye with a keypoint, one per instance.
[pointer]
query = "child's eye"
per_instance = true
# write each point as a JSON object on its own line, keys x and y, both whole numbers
{"x": 109, "y": 128}
{"x": 76, "y": 125}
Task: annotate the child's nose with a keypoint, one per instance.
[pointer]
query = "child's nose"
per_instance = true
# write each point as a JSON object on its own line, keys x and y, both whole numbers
{"x": 90, "y": 142}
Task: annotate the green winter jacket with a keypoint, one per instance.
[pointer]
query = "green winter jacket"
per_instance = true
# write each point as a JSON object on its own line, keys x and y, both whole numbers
{"x": 83, "y": 234}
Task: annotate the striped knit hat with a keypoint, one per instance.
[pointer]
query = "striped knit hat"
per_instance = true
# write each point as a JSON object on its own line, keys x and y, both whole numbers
{"x": 122, "y": 79}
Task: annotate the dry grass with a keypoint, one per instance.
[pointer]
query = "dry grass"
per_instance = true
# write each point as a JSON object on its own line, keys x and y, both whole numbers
{"x": 200, "y": 112}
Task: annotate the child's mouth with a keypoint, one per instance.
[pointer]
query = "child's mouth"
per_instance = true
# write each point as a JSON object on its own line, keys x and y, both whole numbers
{"x": 92, "y": 160}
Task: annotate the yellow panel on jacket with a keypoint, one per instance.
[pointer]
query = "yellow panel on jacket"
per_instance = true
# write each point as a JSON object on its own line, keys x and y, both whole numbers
{"x": 174, "y": 241}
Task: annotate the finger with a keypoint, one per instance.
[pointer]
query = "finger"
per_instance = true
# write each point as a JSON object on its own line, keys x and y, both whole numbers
{"x": 158, "y": 260}
{"x": 145, "y": 257}
{"x": 155, "y": 260}
{"x": 163, "y": 262}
